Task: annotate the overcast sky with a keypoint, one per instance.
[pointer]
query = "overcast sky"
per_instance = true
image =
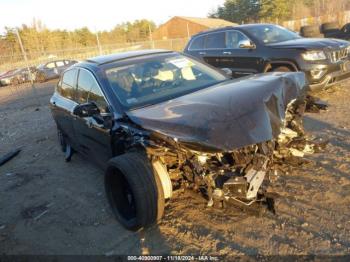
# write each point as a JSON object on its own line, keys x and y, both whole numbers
{"x": 100, "y": 14}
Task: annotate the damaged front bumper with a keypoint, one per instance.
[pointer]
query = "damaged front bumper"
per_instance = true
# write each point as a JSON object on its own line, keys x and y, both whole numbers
{"x": 333, "y": 78}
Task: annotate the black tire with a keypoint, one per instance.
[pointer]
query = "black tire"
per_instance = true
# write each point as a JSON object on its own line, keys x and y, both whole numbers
{"x": 41, "y": 78}
{"x": 310, "y": 31}
{"x": 65, "y": 146}
{"x": 330, "y": 26}
{"x": 281, "y": 69}
{"x": 14, "y": 81}
{"x": 135, "y": 194}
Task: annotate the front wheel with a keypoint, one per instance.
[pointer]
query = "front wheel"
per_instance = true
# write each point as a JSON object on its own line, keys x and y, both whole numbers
{"x": 281, "y": 69}
{"x": 134, "y": 191}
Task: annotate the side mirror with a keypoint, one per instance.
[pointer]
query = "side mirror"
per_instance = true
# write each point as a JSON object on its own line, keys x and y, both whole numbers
{"x": 227, "y": 71}
{"x": 247, "y": 44}
{"x": 86, "y": 110}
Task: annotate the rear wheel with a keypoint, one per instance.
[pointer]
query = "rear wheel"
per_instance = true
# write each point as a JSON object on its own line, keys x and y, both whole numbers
{"x": 134, "y": 191}
{"x": 41, "y": 78}
{"x": 65, "y": 146}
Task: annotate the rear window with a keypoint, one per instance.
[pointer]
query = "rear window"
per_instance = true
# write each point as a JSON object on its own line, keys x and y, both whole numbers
{"x": 198, "y": 43}
{"x": 59, "y": 63}
{"x": 216, "y": 40}
{"x": 51, "y": 65}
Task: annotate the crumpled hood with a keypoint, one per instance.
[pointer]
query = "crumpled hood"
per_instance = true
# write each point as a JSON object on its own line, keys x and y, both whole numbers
{"x": 311, "y": 43}
{"x": 226, "y": 116}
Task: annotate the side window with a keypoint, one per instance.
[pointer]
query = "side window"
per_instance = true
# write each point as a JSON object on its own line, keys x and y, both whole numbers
{"x": 233, "y": 38}
{"x": 89, "y": 90}
{"x": 51, "y": 65}
{"x": 66, "y": 85}
{"x": 84, "y": 86}
{"x": 59, "y": 63}
{"x": 215, "y": 40}
{"x": 197, "y": 43}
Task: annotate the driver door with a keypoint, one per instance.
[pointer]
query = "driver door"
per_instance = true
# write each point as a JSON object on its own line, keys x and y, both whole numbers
{"x": 93, "y": 135}
{"x": 242, "y": 61}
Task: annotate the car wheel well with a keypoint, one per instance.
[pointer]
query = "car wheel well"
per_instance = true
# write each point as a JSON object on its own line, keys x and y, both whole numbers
{"x": 272, "y": 66}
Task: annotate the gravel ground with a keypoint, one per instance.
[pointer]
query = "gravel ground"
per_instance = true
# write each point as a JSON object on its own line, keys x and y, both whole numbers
{"x": 48, "y": 206}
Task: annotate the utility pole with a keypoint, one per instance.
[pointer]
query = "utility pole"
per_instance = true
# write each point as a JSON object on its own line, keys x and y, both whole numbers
{"x": 188, "y": 31}
{"x": 98, "y": 43}
{"x": 150, "y": 36}
{"x": 27, "y": 65}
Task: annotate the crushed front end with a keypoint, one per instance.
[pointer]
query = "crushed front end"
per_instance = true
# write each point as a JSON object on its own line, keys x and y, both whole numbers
{"x": 228, "y": 141}
{"x": 239, "y": 177}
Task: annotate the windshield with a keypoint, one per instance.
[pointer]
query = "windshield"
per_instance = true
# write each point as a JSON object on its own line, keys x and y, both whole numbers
{"x": 270, "y": 34}
{"x": 159, "y": 78}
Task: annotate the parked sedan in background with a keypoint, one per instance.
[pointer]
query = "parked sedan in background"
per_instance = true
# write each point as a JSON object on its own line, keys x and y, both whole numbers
{"x": 52, "y": 70}
{"x": 22, "y": 75}
{"x": 5, "y": 79}
{"x": 259, "y": 48}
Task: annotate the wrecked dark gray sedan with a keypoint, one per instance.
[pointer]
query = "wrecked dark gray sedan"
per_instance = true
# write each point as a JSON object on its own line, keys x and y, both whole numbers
{"x": 158, "y": 121}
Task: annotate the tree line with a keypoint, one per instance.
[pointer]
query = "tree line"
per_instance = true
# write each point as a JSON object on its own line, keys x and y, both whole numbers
{"x": 248, "y": 11}
{"x": 37, "y": 38}
{"x": 40, "y": 40}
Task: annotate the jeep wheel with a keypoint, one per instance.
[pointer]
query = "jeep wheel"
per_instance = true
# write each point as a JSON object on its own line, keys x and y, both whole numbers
{"x": 281, "y": 69}
{"x": 134, "y": 192}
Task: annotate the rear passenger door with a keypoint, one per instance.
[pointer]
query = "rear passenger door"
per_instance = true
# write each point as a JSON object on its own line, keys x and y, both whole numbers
{"x": 92, "y": 135}
{"x": 62, "y": 104}
{"x": 210, "y": 48}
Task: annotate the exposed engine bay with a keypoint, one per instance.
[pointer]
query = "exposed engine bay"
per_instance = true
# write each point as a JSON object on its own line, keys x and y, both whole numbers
{"x": 240, "y": 176}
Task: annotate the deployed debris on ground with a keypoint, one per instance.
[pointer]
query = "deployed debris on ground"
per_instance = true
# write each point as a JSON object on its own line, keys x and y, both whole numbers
{"x": 315, "y": 105}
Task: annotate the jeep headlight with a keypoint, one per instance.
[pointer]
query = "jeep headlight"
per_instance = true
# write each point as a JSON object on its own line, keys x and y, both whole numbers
{"x": 314, "y": 55}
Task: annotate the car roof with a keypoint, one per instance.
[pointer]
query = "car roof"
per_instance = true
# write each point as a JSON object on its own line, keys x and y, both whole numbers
{"x": 229, "y": 27}
{"x": 104, "y": 59}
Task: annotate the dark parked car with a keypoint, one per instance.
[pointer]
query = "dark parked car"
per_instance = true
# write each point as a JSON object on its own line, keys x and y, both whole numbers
{"x": 158, "y": 120}
{"x": 258, "y": 48}
{"x": 343, "y": 33}
{"x": 52, "y": 70}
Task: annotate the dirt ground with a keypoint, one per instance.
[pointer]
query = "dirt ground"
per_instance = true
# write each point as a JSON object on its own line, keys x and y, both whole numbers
{"x": 48, "y": 206}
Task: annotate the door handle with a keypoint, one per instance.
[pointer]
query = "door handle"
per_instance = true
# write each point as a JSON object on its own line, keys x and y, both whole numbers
{"x": 227, "y": 53}
{"x": 202, "y": 53}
